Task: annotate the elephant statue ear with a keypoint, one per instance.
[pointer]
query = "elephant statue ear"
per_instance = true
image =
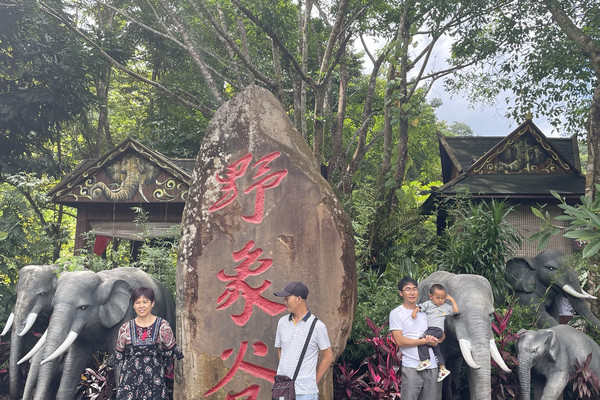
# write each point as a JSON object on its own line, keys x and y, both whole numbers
{"x": 520, "y": 274}
{"x": 114, "y": 296}
{"x": 552, "y": 345}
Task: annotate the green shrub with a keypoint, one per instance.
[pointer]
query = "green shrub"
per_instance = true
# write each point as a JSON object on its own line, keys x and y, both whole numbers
{"x": 479, "y": 241}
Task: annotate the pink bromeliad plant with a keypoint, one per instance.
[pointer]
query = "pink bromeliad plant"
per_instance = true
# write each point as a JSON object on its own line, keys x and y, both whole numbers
{"x": 378, "y": 376}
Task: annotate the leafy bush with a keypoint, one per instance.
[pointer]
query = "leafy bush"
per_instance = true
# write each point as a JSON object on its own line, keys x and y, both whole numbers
{"x": 583, "y": 220}
{"x": 403, "y": 247}
{"x": 586, "y": 385}
{"x": 156, "y": 256}
{"x": 377, "y": 296}
{"x": 378, "y": 376}
{"x": 480, "y": 241}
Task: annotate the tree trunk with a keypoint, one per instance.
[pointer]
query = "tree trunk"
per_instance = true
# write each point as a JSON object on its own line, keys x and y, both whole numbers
{"x": 589, "y": 48}
{"x": 338, "y": 130}
{"x": 303, "y": 21}
{"x": 593, "y": 169}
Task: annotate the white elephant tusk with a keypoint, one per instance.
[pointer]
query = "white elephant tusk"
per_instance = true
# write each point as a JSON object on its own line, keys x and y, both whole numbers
{"x": 465, "y": 349}
{"x": 62, "y": 348}
{"x": 141, "y": 192}
{"x": 29, "y": 323}
{"x": 35, "y": 349}
{"x": 583, "y": 295}
{"x": 497, "y": 357}
{"x": 9, "y": 323}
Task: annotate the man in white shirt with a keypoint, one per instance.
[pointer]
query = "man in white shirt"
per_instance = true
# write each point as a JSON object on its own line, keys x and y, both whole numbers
{"x": 292, "y": 331}
{"x": 407, "y": 332}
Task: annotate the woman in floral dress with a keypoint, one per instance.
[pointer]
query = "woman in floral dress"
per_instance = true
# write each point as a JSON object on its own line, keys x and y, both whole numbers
{"x": 145, "y": 348}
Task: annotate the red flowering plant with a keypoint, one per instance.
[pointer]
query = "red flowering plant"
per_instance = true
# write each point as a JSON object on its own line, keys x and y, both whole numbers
{"x": 504, "y": 385}
{"x": 585, "y": 384}
{"x": 378, "y": 375}
{"x": 4, "y": 354}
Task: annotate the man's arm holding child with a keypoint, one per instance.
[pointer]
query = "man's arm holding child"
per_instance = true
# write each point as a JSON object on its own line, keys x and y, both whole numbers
{"x": 403, "y": 341}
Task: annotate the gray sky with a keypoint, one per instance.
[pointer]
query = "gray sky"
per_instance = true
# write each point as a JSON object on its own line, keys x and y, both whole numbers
{"x": 487, "y": 120}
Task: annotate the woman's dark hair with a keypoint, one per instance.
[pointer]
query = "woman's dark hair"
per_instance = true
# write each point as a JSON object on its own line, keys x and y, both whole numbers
{"x": 142, "y": 291}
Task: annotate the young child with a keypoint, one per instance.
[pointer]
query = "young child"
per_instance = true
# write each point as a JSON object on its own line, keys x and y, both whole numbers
{"x": 436, "y": 310}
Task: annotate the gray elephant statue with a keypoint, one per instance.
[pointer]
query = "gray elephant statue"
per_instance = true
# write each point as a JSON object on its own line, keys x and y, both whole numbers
{"x": 541, "y": 280}
{"x": 89, "y": 309}
{"x": 130, "y": 174}
{"x": 547, "y": 359}
{"x": 35, "y": 289}
{"x": 468, "y": 334}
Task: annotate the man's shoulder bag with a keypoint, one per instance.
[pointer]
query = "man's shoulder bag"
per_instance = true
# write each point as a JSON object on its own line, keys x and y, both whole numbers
{"x": 283, "y": 388}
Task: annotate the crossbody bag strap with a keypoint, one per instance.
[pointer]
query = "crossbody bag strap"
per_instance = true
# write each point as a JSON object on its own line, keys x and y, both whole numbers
{"x": 312, "y": 328}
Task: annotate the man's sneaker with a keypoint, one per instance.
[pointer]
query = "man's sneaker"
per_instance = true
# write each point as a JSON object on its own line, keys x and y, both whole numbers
{"x": 443, "y": 374}
{"x": 423, "y": 364}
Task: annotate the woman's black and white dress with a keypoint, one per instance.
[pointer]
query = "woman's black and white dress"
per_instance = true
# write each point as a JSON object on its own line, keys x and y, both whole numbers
{"x": 143, "y": 353}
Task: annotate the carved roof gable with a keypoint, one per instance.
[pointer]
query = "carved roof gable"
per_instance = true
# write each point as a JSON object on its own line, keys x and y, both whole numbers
{"x": 525, "y": 150}
{"x": 129, "y": 173}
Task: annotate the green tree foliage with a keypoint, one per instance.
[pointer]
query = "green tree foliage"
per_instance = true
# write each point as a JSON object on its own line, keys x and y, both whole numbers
{"x": 525, "y": 52}
{"x": 42, "y": 87}
{"x": 547, "y": 53}
{"x": 407, "y": 248}
{"x": 460, "y": 129}
{"x": 479, "y": 241}
{"x": 583, "y": 223}
{"x": 23, "y": 238}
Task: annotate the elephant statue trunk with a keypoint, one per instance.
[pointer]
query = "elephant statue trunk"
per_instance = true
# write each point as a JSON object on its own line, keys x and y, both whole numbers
{"x": 35, "y": 289}
{"x": 583, "y": 309}
{"x": 55, "y": 337}
{"x": 525, "y": 363}
{"x": 479, "y": 351}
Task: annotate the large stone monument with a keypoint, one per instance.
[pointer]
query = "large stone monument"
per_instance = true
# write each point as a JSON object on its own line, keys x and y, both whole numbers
{"x": 259, "y": 215}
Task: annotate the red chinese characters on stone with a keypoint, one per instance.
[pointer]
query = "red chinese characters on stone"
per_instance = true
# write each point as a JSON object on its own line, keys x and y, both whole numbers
{"x": 263, "y": 180}
{"x": 237, "y": 285}
{"x": 260, "y": 349}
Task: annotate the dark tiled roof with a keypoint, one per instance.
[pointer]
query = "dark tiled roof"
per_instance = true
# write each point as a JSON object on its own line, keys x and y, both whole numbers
{"x": 527, "y": 185}
{"x": 469, "y": 149}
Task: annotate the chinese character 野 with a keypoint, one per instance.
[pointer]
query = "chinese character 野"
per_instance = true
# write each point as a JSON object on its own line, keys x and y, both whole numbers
{"x": 267, "y": 181}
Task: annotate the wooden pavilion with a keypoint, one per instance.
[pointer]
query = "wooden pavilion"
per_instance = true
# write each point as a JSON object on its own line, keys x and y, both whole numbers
{"x": 104, "y": 191}
{"x": 521, "y": 169}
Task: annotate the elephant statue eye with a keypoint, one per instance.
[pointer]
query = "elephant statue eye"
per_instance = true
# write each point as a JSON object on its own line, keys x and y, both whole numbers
{"x": 84, "y": 307}
{"x": 43, "y": 294}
